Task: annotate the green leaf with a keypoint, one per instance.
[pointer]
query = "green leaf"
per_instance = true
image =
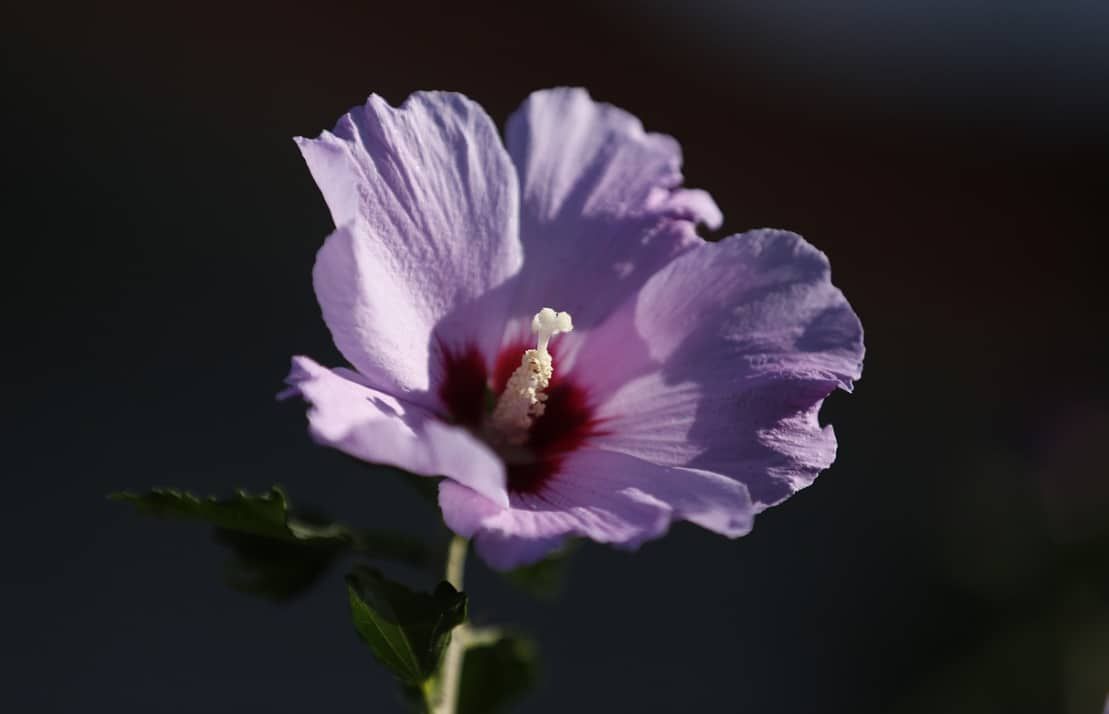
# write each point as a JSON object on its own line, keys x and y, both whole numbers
{"x": 496, "y": 674}
{"x": 275, "y": 554}
{"x": 406, "y": 631}
{"x": 272, "y": 568}
{"x": 262, "y": 515}
{"x": 546, "y": 579}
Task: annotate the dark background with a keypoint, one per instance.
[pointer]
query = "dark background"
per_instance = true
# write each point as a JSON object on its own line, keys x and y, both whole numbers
{"x": 159, "y": 231}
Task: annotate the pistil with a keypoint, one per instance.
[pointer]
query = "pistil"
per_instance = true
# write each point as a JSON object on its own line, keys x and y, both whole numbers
{"x": 525, "y": 394}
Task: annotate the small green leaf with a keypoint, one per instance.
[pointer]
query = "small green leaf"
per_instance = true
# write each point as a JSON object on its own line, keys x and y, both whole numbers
{"x": 496, "y": 674}
{"x": 276, "y": 554}
{"x": 262, "y": 515}
{"x": 405, "y": 630}
{"x": 546, "y": 579}
{"x": 272, "y": 568}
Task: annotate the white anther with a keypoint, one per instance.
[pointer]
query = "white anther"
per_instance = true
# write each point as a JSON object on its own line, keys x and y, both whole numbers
{"x": 523, "y": 397}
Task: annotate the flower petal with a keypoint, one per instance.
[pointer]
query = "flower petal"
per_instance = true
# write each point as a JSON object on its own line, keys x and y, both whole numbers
{"x": 426, "y": 203}
{"x": 602, "y": 208}
{"x": 722, "y": 363}
{"x": 534, "y": 526}
{"x": 376, "y": 427}
{"x": 606, "y": 496}
{"x": 456, "y": 454}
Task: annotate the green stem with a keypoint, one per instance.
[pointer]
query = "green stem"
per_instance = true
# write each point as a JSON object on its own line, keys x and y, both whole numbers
{"x": 456, "y": 561}
{"x": 441, "y": 695}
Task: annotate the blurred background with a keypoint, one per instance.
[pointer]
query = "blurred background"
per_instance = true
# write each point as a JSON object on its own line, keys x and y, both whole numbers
{"x": 951, "y": 158}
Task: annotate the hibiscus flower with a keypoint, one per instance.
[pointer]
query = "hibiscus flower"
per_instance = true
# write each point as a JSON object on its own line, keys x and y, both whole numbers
{"x": 539, "y": 323}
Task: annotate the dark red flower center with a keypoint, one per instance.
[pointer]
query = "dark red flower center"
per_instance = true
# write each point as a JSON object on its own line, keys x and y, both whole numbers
{"x": 567, "y": 421}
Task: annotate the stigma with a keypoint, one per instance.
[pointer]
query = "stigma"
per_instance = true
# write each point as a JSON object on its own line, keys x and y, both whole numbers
{"x": 525, "y": 393}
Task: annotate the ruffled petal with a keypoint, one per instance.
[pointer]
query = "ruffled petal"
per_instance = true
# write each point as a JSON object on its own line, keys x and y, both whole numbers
{"x": 722, "y": 361}
{"x": 426, "y": 202}
{"x": 605, "y": 496}
{"x": 373, "y": 426}
{"x": 602, "y": 208}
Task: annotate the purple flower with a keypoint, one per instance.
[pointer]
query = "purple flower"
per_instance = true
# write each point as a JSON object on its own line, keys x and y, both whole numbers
{"x": 686, "y": 385}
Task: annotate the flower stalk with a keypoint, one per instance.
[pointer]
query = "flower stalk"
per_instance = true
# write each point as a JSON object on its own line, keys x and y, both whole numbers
{"x": 441, "y": 691}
